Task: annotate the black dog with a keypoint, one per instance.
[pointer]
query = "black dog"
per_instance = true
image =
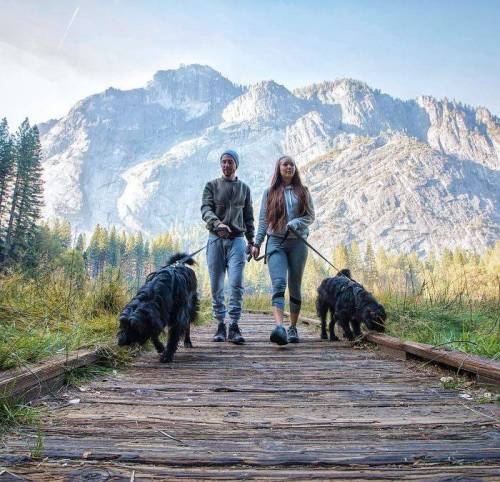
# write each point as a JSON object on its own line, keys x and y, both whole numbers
{"x": 167, "y": 299}
{"x": 348, "y": 302}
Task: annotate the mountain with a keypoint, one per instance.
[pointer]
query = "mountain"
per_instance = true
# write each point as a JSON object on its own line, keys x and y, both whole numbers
{"x": 399, "y": 192}
{"x": 418, "y": 174}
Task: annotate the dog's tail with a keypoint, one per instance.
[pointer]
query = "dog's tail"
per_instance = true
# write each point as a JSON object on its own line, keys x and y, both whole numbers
{"x": 180, "y": 256}
{"x": 173, "y": 259}
{"x": 345, "y": 272}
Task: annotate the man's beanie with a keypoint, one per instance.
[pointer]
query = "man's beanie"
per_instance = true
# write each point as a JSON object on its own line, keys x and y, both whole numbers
{"x": 233, "y": 154}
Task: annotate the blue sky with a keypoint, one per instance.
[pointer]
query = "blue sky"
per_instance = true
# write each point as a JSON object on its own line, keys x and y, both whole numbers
{"x": 54, "y": 53}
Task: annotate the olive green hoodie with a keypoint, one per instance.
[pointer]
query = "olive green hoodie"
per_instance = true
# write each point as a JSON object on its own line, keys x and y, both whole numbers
{"x": 230, "y": 203}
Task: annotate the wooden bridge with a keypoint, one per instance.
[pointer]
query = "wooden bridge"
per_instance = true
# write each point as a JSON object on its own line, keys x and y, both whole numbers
{"x": 316, "y": 410}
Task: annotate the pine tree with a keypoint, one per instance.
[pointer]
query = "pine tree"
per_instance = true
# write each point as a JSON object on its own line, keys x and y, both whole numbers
{"x": 80, "y": 242}
{"x": 355, "y": 262}
{"x": 139, "y": 255}
{"x": 371, "y": 274}
{"x": 6, "y": 169}
{"x": 130, "y": 264}
{"x": 96, "y": 252}
{"x": 162, "y": 246}
{"x": 340, "y": 257}
{"x": 62, "y": 229}
{"x": 382, "y": 264}
{"x": 113, "y": 249}
{"x": 28, "y": 188}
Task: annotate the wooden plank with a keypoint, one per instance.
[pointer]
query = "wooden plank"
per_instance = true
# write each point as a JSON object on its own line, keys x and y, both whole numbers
{"x": 463, "y": 362}
{"x": 24, "y": 384}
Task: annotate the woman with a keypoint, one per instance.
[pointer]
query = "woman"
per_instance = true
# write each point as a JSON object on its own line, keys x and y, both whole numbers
{"x": 285, "y": 204}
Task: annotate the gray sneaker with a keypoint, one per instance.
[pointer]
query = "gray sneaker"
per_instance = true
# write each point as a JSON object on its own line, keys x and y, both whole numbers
{"x": 293, "y": 336}
{"x": 278, "y": 335}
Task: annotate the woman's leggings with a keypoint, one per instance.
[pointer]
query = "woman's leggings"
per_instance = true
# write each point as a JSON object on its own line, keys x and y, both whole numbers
{"x": 290, "y": 257}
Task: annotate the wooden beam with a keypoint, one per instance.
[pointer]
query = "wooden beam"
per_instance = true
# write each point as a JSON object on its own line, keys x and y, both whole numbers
{"x": 457, "y": 359}
{"x": 23, "y": 384}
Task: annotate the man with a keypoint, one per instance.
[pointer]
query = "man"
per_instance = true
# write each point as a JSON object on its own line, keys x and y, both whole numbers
{"x": 227, "y": 210}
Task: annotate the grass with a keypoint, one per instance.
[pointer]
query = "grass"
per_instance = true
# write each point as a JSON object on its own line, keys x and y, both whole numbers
{"x": 458, "y": 327}
{"x": 45, "y": 317}
{"x": 12, "y": 414}
{"x": 36, "y": 449}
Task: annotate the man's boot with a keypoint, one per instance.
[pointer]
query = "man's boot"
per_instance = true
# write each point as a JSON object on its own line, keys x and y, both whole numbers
{"x": 221, "y": 332}
{"x": 234, "y": 335}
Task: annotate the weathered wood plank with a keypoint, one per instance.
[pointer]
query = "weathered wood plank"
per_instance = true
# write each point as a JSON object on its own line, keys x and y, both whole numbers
{"x": 463, "y": 362}
{"x": 30, "y": 382}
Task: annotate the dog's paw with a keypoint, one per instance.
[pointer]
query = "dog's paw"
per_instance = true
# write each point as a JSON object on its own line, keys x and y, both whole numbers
{"x": 188, "y": 344}
{"x": 167, "y": 357}
{"x": 334, "y": 338}
{"x": 324, "y": 336}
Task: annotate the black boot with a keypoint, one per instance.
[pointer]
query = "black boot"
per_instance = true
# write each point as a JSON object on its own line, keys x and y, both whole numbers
{"x": 234, "y": 335}
{"x": 279, "y": 336}
{"x": 221, "y": 332}
{"x": 293, "y": 336}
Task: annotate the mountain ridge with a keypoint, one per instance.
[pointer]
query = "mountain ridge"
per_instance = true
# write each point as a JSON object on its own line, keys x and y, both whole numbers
{"x": 138, "y": 158}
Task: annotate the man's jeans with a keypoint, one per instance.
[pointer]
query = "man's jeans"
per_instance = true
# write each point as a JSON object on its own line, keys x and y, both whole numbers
{"x": 222, "y": 255}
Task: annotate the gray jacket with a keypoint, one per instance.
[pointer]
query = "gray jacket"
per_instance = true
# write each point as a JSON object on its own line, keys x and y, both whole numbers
{"x": 299, "y": 223}
{"x": 228, "y": 202}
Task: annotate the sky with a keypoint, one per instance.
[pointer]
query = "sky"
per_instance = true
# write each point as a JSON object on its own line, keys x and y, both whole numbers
{"x": 54, "y": 53}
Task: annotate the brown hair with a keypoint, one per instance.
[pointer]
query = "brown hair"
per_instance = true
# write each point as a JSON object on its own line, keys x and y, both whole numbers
{"x": 275, "y": 207}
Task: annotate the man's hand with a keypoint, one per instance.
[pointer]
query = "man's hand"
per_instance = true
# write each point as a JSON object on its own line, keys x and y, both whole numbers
{"x": 223, "y": 230}
{"x": 254, "y": 251}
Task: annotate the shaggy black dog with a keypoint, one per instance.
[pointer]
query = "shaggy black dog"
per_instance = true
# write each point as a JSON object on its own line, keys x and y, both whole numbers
{"x": 348, "y": 303}
{"x": 167, "y": 299}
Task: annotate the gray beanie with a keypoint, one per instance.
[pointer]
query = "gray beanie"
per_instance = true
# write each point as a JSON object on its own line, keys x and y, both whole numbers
{"x": 233, "y": 154}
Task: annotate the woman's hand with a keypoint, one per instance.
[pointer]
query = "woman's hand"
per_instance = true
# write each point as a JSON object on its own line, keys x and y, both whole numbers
{"x": 254, "y": 251}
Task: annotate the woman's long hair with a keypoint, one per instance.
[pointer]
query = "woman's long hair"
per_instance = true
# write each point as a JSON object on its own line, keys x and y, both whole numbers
{"x": 275, "y": 207}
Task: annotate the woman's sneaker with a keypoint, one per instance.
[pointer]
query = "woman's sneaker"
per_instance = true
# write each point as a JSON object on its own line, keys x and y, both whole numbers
{"x": 293, "y": 336}
{"x": 278, "y": 335}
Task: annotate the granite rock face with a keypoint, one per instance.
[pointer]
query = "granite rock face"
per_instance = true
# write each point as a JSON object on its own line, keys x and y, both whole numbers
{"x": 419, "y": 174}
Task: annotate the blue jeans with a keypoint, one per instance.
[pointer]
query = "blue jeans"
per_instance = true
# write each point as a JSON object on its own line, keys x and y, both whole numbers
{"x": 226, "y": 255}
{"x": 290, "y": 258}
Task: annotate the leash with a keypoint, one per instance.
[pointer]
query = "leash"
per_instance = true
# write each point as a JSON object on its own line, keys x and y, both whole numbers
{"x": 267, "y": 255}
{"x": 183, "y": 260}
{"x": 151, "y": 275}
{"x": 309, "y": 245}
